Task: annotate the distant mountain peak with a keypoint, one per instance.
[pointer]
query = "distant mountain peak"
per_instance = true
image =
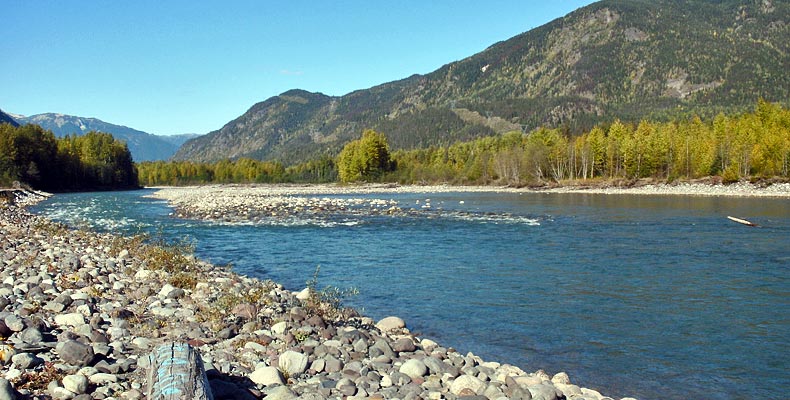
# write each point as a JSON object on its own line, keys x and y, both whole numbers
{"x": 143, "y": 146}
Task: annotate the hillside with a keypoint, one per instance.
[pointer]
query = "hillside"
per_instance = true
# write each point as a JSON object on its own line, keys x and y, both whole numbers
{"x": 143, "y": 146}
{"x": 627, "y": 59}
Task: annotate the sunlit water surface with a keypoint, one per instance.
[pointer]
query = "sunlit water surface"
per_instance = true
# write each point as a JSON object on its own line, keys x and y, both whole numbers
{"x": 643, "y": 296}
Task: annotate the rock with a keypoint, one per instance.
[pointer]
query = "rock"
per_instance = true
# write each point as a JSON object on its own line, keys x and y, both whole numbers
{"x": 390, "y": 324}
{"x": 59, "y": 392}
{"x": 75, "y": 353}
{"x": 245, "y": 310}
{"x": 404, "y": 345}
{"x": 14, "y": 323}
{"x": 436, "y": 366}
{"x": 293, "y": 363}
{"x": 267, "y": 376}
{"x": 26, "y": 360}
{"x": 70, "y": 319}
{"x": 143, "y": 343}
{"x": 77, "y": 384}
{"x": 304, "y": 294}
{"x": 466, "y": 382}
{"x": 102, "y": 378}
{"x": 545, "y": 391}
{"x": 428, "y": 345}
{"x": 279, "y": 328}
{"x": 279, "y": 393}
{"x": 384, "y": 347}
{"x": 568, "y": 390}
{"x": 31, "y": 335}
{"x": 6, "y": 391}
{"x": 414, "y": 368}
{"x": 332, "y": 364}
{"x": 561, "y": 377}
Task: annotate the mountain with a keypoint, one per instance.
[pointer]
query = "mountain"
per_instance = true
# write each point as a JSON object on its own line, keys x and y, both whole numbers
{"x": 143, "y": 146}
{"x": 627, "y": 59}
{"x": 7, "y": 119}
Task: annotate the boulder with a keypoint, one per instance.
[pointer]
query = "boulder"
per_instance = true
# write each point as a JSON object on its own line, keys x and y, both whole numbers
{"x": 75, "y": 353}
{"x": 267, "y": 376}
{"x": 414, "y": 368}
{"x": 390, "y": 324}
{"x": 466, "y": 382}
{"x": 293, "y": 363}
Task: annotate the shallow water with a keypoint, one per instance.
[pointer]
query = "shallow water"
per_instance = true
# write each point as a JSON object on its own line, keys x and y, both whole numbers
{"x": 642, "y": 296}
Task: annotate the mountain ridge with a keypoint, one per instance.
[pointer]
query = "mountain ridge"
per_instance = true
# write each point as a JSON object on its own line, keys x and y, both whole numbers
{"x": 627, "y": 59}
{"x": 143, "y": 146}
{"x": 6, "y": 118}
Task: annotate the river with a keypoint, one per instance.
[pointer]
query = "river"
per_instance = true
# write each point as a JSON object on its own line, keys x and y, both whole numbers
{"x": 632, "y": 295}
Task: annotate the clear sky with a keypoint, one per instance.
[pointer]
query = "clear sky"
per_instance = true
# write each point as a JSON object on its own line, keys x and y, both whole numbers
{"x": 169, "y": 67}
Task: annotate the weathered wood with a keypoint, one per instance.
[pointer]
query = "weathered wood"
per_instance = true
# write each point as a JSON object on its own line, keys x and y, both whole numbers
{"x": 176, "y": 372}
{"x": 741, "y": 221}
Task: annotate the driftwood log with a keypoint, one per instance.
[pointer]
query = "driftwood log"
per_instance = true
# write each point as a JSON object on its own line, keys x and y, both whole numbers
{"x": 176, "y": 372}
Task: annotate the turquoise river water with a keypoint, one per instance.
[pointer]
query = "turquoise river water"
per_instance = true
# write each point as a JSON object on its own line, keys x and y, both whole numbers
{"x": 654, "y": 297}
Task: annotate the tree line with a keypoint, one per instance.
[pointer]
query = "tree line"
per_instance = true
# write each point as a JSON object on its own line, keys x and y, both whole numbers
{"x": 243, "y": 170}
{"x": 34, "y": 156}
{"x": 755, "y": 144}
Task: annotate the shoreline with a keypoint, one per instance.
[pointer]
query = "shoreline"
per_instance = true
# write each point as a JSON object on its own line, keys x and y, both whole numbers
{"x": 103, "y": 302}
{"x": 739, "y": 189}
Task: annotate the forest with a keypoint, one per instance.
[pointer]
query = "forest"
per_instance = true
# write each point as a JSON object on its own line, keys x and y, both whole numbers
{"x": 35, "y": 157}
{"x": 751, "y": 145}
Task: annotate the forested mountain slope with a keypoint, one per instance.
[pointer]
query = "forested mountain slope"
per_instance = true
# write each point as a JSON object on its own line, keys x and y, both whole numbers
{"x": 627, "y": 59}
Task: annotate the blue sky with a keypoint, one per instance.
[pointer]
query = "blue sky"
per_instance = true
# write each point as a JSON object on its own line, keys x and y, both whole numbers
{"x": 169, "y": 67}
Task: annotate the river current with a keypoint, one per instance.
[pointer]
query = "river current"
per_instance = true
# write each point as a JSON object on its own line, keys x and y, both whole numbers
{"x": 632, "y": 295}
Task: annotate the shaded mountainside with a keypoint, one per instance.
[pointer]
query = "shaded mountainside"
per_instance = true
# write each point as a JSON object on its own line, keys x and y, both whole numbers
{"x": 7, "y": 119}
{"x": 143, "y": 146}
{"x": 627, "y": 59}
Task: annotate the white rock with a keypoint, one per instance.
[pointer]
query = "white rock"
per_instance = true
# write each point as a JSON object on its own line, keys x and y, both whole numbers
{"x": 561, "y": 377}
{"x": 466, "y": 382}
{"x": 292, "y": 362}
{"x": 390, "y": 323}
{"x": 591, "y": 393}
{"x": 102, "y": 378}
{"x": 166, "y": 289}
{"x": 279, "y": 328}
{"x": 61, "y": 393}
{"x": 144, "y": 275}
{"x": 77, "y": 384}
{"x": 428, "y": 345}
{"x": 70, "y": 319}
{"x": 142, "y": 343}
{"x": 414, "y": 368}
{"x": 568, "y": 390}
{"x": 267, "y": 376}
{"x": 304, "y": 294}
{"x": 256, "y": 347}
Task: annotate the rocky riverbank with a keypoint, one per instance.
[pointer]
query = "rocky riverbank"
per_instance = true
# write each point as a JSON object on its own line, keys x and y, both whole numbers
{"x": 80, "y": 312}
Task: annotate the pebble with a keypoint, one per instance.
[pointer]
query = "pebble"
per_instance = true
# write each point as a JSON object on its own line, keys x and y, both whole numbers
{"x": 105, "y": 305}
